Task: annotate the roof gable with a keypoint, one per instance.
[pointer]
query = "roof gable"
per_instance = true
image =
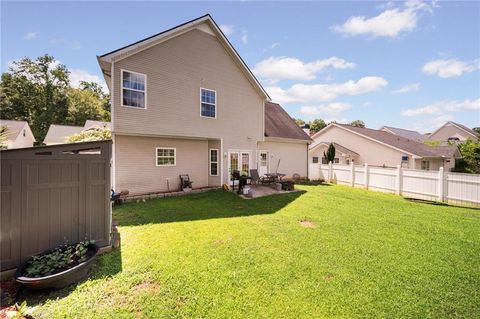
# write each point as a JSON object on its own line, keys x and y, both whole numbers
{"x": 14, "y": 128}
{"x": 204, "y": 23}
{"x": 280, "y": 125}
{"x": 459, "y": 126}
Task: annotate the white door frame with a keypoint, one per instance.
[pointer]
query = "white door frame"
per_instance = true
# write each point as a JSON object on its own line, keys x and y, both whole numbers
{"x": 239, "y": 153}
{"x": 258, "y": 160}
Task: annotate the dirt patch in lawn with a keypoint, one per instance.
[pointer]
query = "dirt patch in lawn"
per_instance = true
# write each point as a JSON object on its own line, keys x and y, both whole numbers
{"x": 307, "y": 223}
{"x": 222, "y": 241}
{"x": 148, "y": 286}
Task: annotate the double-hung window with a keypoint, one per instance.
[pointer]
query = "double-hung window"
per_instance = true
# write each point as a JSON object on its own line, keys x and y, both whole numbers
{"x": 134, "y": 89}
{"x": 213, "y": 162}
{"x": 166, "y": 156}
{"x": 208, "y": 103}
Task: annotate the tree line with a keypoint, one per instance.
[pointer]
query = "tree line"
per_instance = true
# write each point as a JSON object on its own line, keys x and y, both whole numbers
{"x": 318, "y": 124}
{"x": 40, "y": 92}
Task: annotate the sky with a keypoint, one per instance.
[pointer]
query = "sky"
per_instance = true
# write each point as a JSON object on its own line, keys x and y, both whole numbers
{"x": 406, "y": 64}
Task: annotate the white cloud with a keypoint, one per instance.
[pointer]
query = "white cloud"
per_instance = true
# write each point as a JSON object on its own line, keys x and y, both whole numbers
{"x": 313, "y": 93}
{"x": 408, "y": 88}
{"x": 334, "y": 108}
{"x": 30, "y": 35}
{"x": 227, "y": 29}
{"x": 390, "y": 23}
{"x": 285, "y": 68}
{"x": 244, "y": 37}
{"x": 271, "y": 46}
{"x": 78, "y": 75}
{"x": 442, "y": 107}
{"x": 450, "y": 68}
{"x": 72, "y": 44}
{"x": 366, "y": 104}
{"x": 431, "y": 124}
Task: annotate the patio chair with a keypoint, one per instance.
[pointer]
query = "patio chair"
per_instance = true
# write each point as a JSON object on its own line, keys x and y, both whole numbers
{"x": 256, "y": 177}
{"x": 185, "y": 181}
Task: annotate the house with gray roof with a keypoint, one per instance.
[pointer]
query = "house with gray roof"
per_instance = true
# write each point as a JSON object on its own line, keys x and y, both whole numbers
{"x": 381, "y": 148}
{"x": 17, "y": 134}
{"x": 58, "y": 134}
{"x": 410, "y": 134}
{"x": 451, "y": 131}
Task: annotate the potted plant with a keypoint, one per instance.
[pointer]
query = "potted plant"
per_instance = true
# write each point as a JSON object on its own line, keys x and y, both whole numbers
{"x": 58, "y": 267}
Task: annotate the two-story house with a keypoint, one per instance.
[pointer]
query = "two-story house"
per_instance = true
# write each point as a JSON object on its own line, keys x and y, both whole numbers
{"x": 184, "y": 102}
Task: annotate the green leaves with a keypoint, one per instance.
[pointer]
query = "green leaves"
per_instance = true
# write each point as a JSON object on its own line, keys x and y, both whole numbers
{"x": 57, "y": 260}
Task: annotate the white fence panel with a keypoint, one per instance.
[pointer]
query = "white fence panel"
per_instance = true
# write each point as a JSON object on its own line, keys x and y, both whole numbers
{"x": 382, "y": 179}
{"x": 420, "y": 184}
{"x": 427, "y": 185}
{"x": 463, "y": 188}
{"x": 314, "y": 171}
{"x": 359, "y": 176}
{"x": 341, "y": 173}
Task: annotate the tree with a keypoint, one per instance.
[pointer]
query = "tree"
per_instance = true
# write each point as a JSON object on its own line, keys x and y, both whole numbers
{"x": 3, "y": 137}
{"x": 90, "y": 136}
{"x": 35, "y": 91}
{"x": 317, "y": 125}
{"x": 299, "y": 121}
{"x": 358, "y": 123}
{"x": 39, "y": 92}
{"x": 476, "y": 129}
{"x": 330, "y": 154}
{"x": 84, "y": 105}
{"x": 470, "y": 150}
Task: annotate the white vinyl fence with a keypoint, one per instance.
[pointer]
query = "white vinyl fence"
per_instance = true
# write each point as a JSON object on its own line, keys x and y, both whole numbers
{"x": 429, "y": 185}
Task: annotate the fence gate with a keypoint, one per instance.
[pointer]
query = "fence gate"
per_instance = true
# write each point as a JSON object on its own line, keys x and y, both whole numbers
{"x": 53, "y": 194}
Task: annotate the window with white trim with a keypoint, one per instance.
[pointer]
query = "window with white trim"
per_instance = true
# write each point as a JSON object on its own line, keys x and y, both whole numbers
{"x": 426, "y": 165}
{"x": 166, "y": 156}
{"x": 133, "y": 89}
{"x": 208, "y": 103}
{"x": 213, "y": 162}
{"x": 315, "y": 160}
{"x": 336, "y": 160}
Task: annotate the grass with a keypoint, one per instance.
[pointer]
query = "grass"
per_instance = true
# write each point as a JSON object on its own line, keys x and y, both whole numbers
{"x": 215, "y": 255}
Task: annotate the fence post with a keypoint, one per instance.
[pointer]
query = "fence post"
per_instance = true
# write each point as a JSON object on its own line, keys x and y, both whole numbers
{"x": 398, "y": 186}
{"x": 441, "y": 184}
{"x": 352, "y": 174}
{"x": 330, "y": 172}
{"x": 367, "y": 175}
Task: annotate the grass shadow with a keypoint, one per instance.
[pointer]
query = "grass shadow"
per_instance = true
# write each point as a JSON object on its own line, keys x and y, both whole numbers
{"x": 201, "y": 206}
{"x": 106, "y": 265}
{"x": 434, "y": 203}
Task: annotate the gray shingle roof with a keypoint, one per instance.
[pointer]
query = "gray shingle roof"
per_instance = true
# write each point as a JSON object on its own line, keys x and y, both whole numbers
{"x": 58, "y": 133}
{"x": 412, "y": 135}
{"x": 13, "y": 128}
{"x": 466, "y": 128}
{"x": 400, "y": 142}
{"x": 279, "y": 124}
{"x": 340, "y": 148}
{"x": 89, "y": 124}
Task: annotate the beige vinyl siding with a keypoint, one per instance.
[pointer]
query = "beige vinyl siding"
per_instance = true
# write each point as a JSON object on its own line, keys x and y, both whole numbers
{"x": 176, "y": 70}
{"x": 320, "y": 150}
{"x": 370, "y": 152}
{"x": 136, "y": 170}
{"x": 292, "y": 156}
{"x": 447, "y": 131}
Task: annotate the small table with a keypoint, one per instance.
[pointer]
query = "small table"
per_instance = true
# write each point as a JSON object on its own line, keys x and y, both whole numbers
{"x": 275, "y": 176}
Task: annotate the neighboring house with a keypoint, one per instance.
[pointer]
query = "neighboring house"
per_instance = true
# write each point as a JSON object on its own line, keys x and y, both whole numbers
{"x": 184, "y": 102}
{"x": 453, "y": 131}
{"x": 58, "y": 134}
{"x": 343, "y": 155}
{"x": 379, "y": 148}
{"x": 18, "y": 134}
{"x": 96, "y": 125}
{"x": 412, "y": 135}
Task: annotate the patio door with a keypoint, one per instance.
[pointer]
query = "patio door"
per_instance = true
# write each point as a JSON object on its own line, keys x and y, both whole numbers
{"x": 238, "y": 161}
{"x": 263, "y": 162}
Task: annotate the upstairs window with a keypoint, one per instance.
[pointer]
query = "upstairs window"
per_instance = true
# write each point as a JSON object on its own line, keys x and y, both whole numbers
{"x": 133, "y": 89}
{"x": 208, "y": 103}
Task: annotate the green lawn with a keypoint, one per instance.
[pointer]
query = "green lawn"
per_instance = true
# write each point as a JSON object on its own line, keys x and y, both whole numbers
{"x": 215, "y": 255}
